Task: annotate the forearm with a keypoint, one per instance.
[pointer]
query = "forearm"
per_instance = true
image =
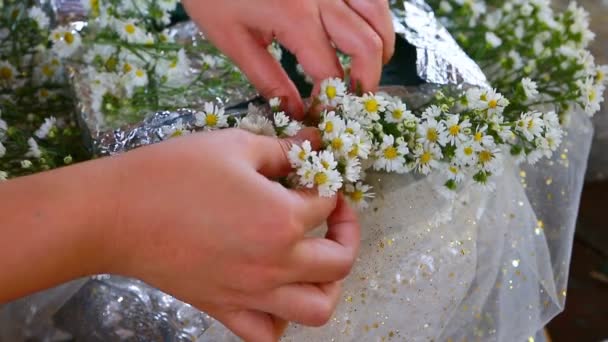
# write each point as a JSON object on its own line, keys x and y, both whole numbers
{"x": 54, "y": 227}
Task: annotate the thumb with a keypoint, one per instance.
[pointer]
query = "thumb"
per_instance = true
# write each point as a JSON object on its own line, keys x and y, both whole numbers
{"x": 272, "y": 154}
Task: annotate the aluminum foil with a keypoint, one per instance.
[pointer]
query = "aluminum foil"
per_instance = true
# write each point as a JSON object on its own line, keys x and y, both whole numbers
{"x": 440, "y": 61}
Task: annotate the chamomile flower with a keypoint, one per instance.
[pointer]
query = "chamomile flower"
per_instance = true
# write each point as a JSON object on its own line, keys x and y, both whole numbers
{"x": 352, "y": 169}
{"x": 361, "y": 146}
{"x": 129, "y": 31}
{"x": 66, "y": 41}
{"x": 432, "y": 112}
{"x": 454, "y": 172}
{"x": 391, "y": 155}
{"x": 340, "y": 144}
{"x": 430, "y": 132}
{"x": 326, "y": 178}
{"x": 482, "y": 139}
{"x": 26, "y": 164}
{"x": 373, "y": 105}
{"x": 466, "y": 154}
{"x": 494, "y": 102}
{"x": 493, "y": 39}
{"x": 332, "y": 92}
{"x": 397, "y": 112}
{"x": 530, "y": 88}
{"x": 359, "y": 194}
{"x": 590, "y": 97}
{"x": 427, "y": 158}
{"x": 175, "y": 71}
{"x": 8, "y": 74}
{"x": 257, "y": 124}
{"x": 275, "y": 104}
{"x": 135, "y": 78}
{"x": 530, "y": 125}
{"x": 456, "y": 130}
{"x": 34, "y": 150}
{"x": 489, "y": 160}
{"x": 298, "y": 155}
{"x": 176, "y": 130}
{"x": 285, "y": 126}
{"x": 331, "y": 124}
{"x": 212, "y": 117}
{"x": 46, "y": 127}
{"x": 38, "y": 15}
{"x": 281, "y": 120}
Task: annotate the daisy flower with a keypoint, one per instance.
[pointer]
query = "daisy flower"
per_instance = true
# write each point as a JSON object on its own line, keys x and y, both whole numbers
{"x": 530, "y": 88}
{"x": 298, "y": 155}
{"x": 130, "y": 32}
{"x": 489, "y": 160}
{"x": 432, "y": 112}
{"x": 455, "y": 131}
{"x": 373, "y": 105}
{"x": 257, "y": 124}
{"x": 466, "y": 154}
{"x": 34, "y": 150}
{"x": 340, "y": 144}
{"x": 45, "y": 128}
{"x": 332, "y": 92}
{"x": 135, "y": 78}
{"x": 359, "y": 194}
{"x": 275, "y": 104}
{"x": 332, "y": 124}
{"x": 454, "y": 172}
{"x": 391, "y": 155}
{"x": 494, "y": 102}
{"x": 8, "y": 74}
{"x": 326, "y": 178}
{"x": 397, "y": 112}
{"x": 352, "y": 169}
{"x": 530, "y": 125}
{"x": 481, "y": 138}
{"x": 41, "y": 19}
{"x": 430, "y": 132}
{"x": 65, "y": 41}
{"x": 427, "y": 158}
{"x": 176, "y": 130}
{"x": 212, "y": 117}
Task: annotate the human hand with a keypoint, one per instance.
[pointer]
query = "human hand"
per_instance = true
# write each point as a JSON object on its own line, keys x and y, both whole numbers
{"x": 202, "y": 221}
{"x": 310, "y": 29}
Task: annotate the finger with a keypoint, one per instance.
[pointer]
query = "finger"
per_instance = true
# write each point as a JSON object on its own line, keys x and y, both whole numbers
{"x": 262, "y": 70}
{"x": 378, "y": 15}
{"x": 307, "y": 304}
{"x": 253, "y": 326}
{"x": 271, "y": 155}
{"x": 313, "y": 49}
{"x": 311, "y": 209}
{"x": 325, "y": 260}
{"x": 353, "y": 36}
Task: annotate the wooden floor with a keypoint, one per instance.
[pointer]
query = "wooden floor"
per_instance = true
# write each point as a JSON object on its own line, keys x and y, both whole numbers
{"x": 586, "y": 315}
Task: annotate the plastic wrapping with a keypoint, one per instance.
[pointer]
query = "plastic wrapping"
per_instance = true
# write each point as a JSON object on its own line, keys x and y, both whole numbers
{"x": 478, "y": 267}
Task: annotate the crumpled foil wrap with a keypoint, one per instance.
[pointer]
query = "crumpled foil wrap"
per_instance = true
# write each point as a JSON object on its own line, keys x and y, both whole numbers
{"x": 478, "y": 267}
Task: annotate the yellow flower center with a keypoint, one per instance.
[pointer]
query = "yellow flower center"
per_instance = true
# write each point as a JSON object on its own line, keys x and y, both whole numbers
{"x": 426, "y": 158}
{"x": 356, "y": 196}
{"x": 483, "y": 97}
{"x": 302, "y": 155}
{"x": 390, "y": 153}
{"x": 211, "y": 120}
{"x": 478, "y": 137}
{"x": 47, "y": 70}
{"x": 397, "y": 114}
{"x": 530, "y": 124}
{"x": 354, "y": 152}
{"x": 140, "y": 73}
{"x": 432, "y": 135}
{"x": 325, "y": 164}
{"x": 468, "y": 150}
{"x": 329, "y": 127}
{"x": 455, "y": 130}
{"x": 130, "y": 28}
{"x": 126, "y": 68}
{"x": 599, "y": 76}
{"x": 453, "y": 169}
{"x": 485, "y": 156}
{"x": 349, "y": 131}
{"x": 337, "y": 143}
{"x": 331, "y": 92}
{"x": 177, "y": 133}
{"x": 371, "y": 106}
{"x": 173, "y": 64}
{"x": 493, "y": 104}
{"x": 57, "y": 36}
{"x": 592, "y": 95}
{"x": 68, "y": 37}
{"x": 6, "y": 73}
{"x": 321, "y": 178}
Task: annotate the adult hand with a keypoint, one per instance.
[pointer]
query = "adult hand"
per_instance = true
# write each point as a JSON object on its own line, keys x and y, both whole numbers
{"x": 311, "y": 29}
{"x": 202, "y": 220}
